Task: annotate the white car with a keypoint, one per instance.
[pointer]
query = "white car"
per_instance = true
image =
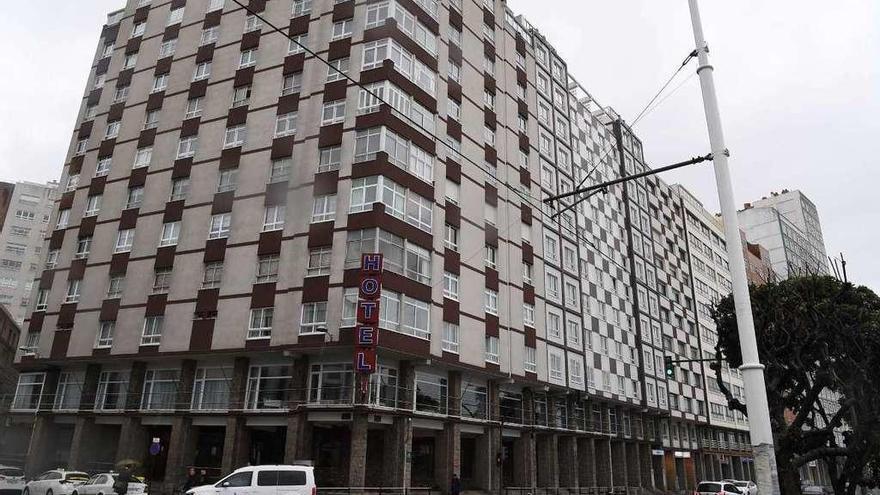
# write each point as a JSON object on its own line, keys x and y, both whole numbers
{"x": 11, "y": 480}
{"x": 55, "y": 482}
{"x": 747, "y": 487}
{"x": 718, "y": 488}
{"x": 263, "y": 480}
{"x": 102, "y": 484}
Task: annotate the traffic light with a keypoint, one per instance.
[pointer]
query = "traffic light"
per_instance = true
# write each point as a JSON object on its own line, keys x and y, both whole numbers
{"x": 670, "y": 366}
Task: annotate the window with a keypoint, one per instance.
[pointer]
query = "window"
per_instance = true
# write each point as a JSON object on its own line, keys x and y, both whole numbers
{"x": 491, "y": 349}
{"x": 552, "y": 285}
{"x": 135, "y": 197}
{"x": 529, "y": 360}
{"x": 52, "y": 258}
{"x": 248, "y": 58}
{"x": 324, "y": 209}
{"x": 527, "y": 274}
{"x": 73, "y": 291}
{"x": 160, "y": 82}
{"x": 333, "y": 112}
{"x": 143, "y": 157}
{"x": 112, "y": 130}
{"x": 124, "y": 241}
{"x": 211, "y": 389}
{"x": 129, "y": 61}
{"x": 452, "y": 192}
{"x": 285, "y": 124}
{"x": 279, "y": 170}
{"x": 215, "y": 5}
{"x": 450, "y": 286}
{"x": 179, "y": 189}
{"x": 554, "y": 326}
{"x": 267, "y": 269}
{"x": 152, "y": 333}
{"x": 227, "y": 179}
{"x": 93, "y": 205}
{"x": 491, "y": 302}
{"x": 450, "y": 237}
{"x": 209, "y": 35}
{"x": 260, "y": 326}
{"x": 235, "y": 136}
{"x": 83, "y": 245}
{"x": 138, "y": 29}
{"x": 68, "y": 393}
{"x": 314, "y": 318}
{"x": 450, "y": 337}
{"x": 213, "y": 276}
{"x": 454, "y": 72}
{"x": 194, "y": 108}
{"x": 81, "y": 146}
{"x": 219, "y": 227}
{"x": 491, "y": 259}
{"x": 167, "y": 48}
{"x": 301, "y": 7}
{"x": 103, "y": 167}
{"x": 267, "y": 389}
{"x": 331, "y": 383}
{"x": 29, "y": 391}
{"x": 319, "y": 262}
{"x": 453, "y": 109}
{"x": 529, "y": 315}
{"x": 115, "y": 287}
{"x": 187, "y": 147}
{"x": 203, "y": 71}
{"x": 160, "y": 390}
{"x": 170, "y": 234}
{"x": 298, "y": 44}
{"x": 112, "y": 391}
{"x": 175, "y": 16}
{"x": 341, "y": 29}
{"x": 273, "y": 218}
{"x": 90, "y": 112}
{"x": 241, "y": 96}
{"x": 329, "y": 159}
{"x": 291, "y": 83}
{"x": 432, "y": 393}
{"x": 162, "y": 281}
{"x": 252, "y": 23}
{"x": 338, "y": 68}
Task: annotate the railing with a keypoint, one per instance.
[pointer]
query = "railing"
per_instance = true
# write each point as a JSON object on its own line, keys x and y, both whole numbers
{"x": 366, "y": 490}
{"x": 582, "y": 490}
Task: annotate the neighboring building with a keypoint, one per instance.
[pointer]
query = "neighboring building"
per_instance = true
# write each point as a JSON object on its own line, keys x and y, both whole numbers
{"x": 787, "y": 224}
{"x": 6, "y": 189}
{"x": 21, "y": 241}
{"x": 12, "y": 444}
{"x": 759, "y": 270}
{"x": 225, "y": 184}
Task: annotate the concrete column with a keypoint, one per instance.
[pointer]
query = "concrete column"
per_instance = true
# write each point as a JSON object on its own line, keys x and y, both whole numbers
{"x": 448, "y": 460}
{"x": 238, "y": 385}
{"x": 398, "y": 446}
{"x": 296, "y": 423}
{"x": 586, "y": 460}
{"x": 525, "y": 460}
{"x": 90, "y": 387}
{"x": 185, "y": 386}
{"x": 487, "y": 472}
{"x": 603, "y": 462}
{"x": 235, "y": 444}
{"x": 132, "y": 439}
{"x": 357, "y": 467}
{"x": 454, "y": 387}
{"x": 135, "y": 385}
{"x": 645, "y": 467}
{"x": 179, "y": 448}
{"x": 618, "y": 460}
{"x": 567, "y": 460}
{"x": 528, "y": 406}
{"x": 82, "y": 431}
{"x": 633, "y": 466}
{"x": 548, "y": 460}
{"x": 42, "y": 438}
{"x": 406, "y": 385}
{"x": 299, "y": 384}
{"x": 736, "y": 463}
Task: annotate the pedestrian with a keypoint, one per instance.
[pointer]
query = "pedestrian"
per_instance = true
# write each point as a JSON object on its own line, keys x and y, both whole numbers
{"x": 191, "y": 479}
{"x": 455, "y": 485}
{"x": 120, "y": 486}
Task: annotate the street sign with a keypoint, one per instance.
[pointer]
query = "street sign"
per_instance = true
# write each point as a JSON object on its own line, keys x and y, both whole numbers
{"x": 155, "y": 446}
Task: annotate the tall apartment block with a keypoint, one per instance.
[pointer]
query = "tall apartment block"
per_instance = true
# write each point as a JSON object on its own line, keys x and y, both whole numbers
{"x": 222, "y": 173}
{"x": 21, "y": 237}
{"x": 787, "y": 224}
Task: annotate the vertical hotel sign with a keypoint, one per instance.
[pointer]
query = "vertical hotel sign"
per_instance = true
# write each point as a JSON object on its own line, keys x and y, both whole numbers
{"x": 369, "y": 293}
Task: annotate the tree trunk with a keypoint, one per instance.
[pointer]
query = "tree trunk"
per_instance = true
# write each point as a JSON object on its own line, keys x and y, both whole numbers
{"x": 789, "y": 475}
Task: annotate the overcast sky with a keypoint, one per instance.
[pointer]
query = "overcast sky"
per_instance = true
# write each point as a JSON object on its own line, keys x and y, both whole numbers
{"x": 798, "y": 84}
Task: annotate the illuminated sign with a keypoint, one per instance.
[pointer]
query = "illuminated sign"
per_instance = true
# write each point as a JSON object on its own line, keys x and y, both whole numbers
{"x": 367, "y": 330}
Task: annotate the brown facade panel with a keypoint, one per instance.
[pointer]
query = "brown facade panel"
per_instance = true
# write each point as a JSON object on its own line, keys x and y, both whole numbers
{"x": 181, "y": 168}
{"x": 453, "y": 129}
{"x": 524, "y": 142}
{"x": 451, "y": 311}
{"x": 528, "y": 294}
{"x": 455, "y": 19}
{"x": 202, "y": 335}
{"x": 299, "y": 25}
{"x": 288, "y": 103}
{"x": 491, "y": 194}
{"x": 343, "y": 10}
{"x": 205, "y": 53}
{"x": 146, "y": 137}
{"x": 140, "y": 15}
{"x": 46, "y": 279}
{"x": 85, "y": 129}
{"x": 531, "y": 340}
{"x": 222, "y": 202}
{"x": 66, "y": 200}
{"x": 257, "y": 344}
{"x": 198, "y": 89}
{"x": 381, "y": 166}
{"x": 128, "y": 218}
{"x": 423, "y": 16}
{"x": 335, "y": 90}
{"x": 154, "y": 101}
{"x": 94, "y": 97}
{"x": 119, "y": 263}
{"x": 124, "y": 78}
{"x": 330, "y": 135}
{"x": 138, "y": 177}
{"x": 237, "y": 116}
{"x": 106, "y": 147}
{"x": 156, "y": 304}
{"x": 378, "y": 218}
{"x": 315, "y": 289}
{"x": 453, "y": 214}
{"x": 109, "y": 310}
{"x": 77, "y": 269}
{"x": 294, "y": 63}
{"x": 36, "y": 323}
{"x": 206, "y": 302}
{"x": 171, "y": 32}
{"x": 491, "y": 235}
{"x": 66, "y": 315}
{"x": 339, "y": 49}
{"x": 56, "y": 239}
{"x": 404, "y": 285}
{"x": 133, "y": 45}
{"x": 270, "y": 242}
{"x": 215, "y": 250}
{"x": 163, "y": 65}
{"x": 453, "y": 171}
{"x": 60, "y": 343}
{"x": 491, "y": 279}
{"x": 528, "y": 253}
{"x": 276, "y": 193}
{"x": 326, "y": 182}
{"x": 230, "y": 157}
{"x": 404, "y": 343}
{"x": 525, "y": 177}
{"x": 87, "y": 226}
{"x": 387, "y": 73}
{"x": 250, "y": 40}
{"x": 491, "y": 326}
{"x": 213, "y": 19}
{"x": 320, "y": 234}
{"x": 282, "y": 147}
{"x": 521, "y": 77}
{"x": 526, "y": 214}
{"x": 76, "y": 164}
{"x": 451, "y": 261}
{"x": 244, "y": 77}
{"x": 263, "y": 295}
{"x": 165, "y": 257}
{"x": 190, "y": 127}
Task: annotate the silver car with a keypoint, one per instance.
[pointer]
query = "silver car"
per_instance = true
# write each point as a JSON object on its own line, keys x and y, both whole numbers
{"x": 718, "y": 488}
{"x": 102, "y": 484}
{"x": 11, "y": 480}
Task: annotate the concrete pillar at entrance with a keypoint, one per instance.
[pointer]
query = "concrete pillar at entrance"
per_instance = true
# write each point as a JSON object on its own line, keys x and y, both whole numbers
{"x": 90, "y": 387}
{"x": 79, "y": 446}
{"x": 487, "y": 472}
{"x": 398, "y": 445}
{"x": 603, "y": 462}
{"x": 135, "y": 385}
{"x": 525, "y": 460}
{"x": 357, "y": 467}
{"x": 568, "y": 466}
{"x": 736, "y": 462}
{"x": 179, "y": 447}
{"x": 132, "y": 440}
{"x": 618, "y": 459}
{"x": 633, "y": 466}
{"x": 296, "y": 423}
{"x": 669, "y": 468}
{"x": 235, "y": 444}
{"x": 586, "y": 460}
{"x": 548, "y": 460}
{"x": 448, "y": 454}
{"x": 645, "y": 467}
{"x": 42, "y": 437}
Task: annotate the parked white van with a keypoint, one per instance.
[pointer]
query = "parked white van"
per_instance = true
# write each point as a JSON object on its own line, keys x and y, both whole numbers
{"x": 263, "y": 480}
